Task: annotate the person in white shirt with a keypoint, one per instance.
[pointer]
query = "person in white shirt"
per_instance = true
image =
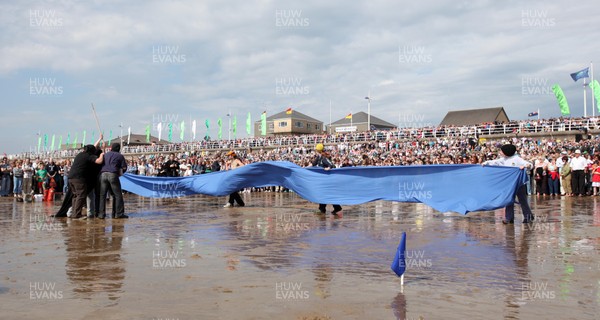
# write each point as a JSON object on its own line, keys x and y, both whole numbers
{"x": 510, "y": 159}
{"x": 578, "y": 165}
{"x": 560, "y": 163}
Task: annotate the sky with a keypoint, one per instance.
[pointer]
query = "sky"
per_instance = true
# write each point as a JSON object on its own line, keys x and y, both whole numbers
{"x": 148, "y": 62}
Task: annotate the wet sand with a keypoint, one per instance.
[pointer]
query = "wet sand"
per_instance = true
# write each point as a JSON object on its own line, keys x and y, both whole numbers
{"x": 190, "y": 258}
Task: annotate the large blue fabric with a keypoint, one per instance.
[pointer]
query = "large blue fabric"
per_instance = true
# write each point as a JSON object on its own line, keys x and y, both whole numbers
{"x": 458, "y": 188}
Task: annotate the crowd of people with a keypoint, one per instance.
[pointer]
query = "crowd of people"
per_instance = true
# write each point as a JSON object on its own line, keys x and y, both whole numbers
{"x": 560, "y": 167}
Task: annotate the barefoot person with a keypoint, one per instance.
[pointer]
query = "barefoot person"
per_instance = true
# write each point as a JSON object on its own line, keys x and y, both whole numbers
{"x": 510, "y": 159}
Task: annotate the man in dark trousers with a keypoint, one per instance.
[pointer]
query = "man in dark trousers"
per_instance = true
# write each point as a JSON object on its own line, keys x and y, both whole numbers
{"x": 509, "y": 158}
{"x": 114, "y": 166}
{"x": 322, "y": 160}
{"x": 78, "y": 176}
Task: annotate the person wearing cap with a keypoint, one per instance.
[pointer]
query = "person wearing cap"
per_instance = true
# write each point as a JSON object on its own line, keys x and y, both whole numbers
{"x": 113, "y": 167}
{"x": 79, "y": 184}
{"x": 232, "y": 163}
{"x": 510, "y": 159}
{"x": 323, "y": 160}
{"x": 578, "y": 165}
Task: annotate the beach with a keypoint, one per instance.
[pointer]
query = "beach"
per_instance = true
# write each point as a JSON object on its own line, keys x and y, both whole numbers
{"x": 190, "y": 258}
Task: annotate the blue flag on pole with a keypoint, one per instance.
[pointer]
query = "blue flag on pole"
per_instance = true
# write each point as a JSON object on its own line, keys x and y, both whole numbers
{"x": 585, "y": 73}
{"x": 399, "y": 263}
{"x": 532, "y": 114}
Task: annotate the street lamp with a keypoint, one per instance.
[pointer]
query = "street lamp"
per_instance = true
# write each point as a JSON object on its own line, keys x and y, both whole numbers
{"x": 229, "y": 131}
{"x": 369, "y": 111}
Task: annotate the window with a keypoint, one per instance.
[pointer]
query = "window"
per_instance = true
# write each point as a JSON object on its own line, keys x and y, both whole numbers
{"x": 299, "y": 124}
{"x": 316, "y": 127}
{"x": 283, "y": 124}
{"x": 308, "y": 125}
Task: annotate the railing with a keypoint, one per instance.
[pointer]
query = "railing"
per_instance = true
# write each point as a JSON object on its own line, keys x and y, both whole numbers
{"x": 349, "y": 137}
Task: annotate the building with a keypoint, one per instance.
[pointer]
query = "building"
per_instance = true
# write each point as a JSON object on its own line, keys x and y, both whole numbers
{"x": 289, "y": 122}
{"x": 138, "y": 140}
{"x": 359, "y": 122}
{"x": 475, "y": 116}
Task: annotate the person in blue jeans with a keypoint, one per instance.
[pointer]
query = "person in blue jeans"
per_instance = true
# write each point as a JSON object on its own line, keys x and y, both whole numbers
{"x": 510, "y": 159}
{"x": 18, "y": 178}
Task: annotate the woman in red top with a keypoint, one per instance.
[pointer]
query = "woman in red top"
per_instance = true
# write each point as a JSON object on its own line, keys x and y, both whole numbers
{"x": 595, "y": 177}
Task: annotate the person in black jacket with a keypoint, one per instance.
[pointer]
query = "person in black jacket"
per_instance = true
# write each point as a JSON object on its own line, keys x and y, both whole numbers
{"x": 323, "y": 160}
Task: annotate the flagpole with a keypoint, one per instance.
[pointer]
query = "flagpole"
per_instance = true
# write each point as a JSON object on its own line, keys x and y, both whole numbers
{"x": 584, "y": 100}
{"x": 538, "y": 113}
{"x": 330, "y": 116}
{"x": 592, "y": 81}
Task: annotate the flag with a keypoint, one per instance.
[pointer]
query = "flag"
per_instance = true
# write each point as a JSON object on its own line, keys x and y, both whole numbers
{"x": 220, "y": 133}
{"x": 532, "y": 114}
{"x": 595, "y": 86}
{"x": 68, "y": 139}
{"x": 170, "y": 131}
{"x": 148, "y": 133}
{"x": 234, "y": 129}
{"x": 399, "y": 263}
{"x": 109, "y": 137}
{"x": 75, "y": 140}
{"x": 45, "y": 140}
{"x": 93, "y": 136}
{"x": 562, "y": 100}
{"x": 182, "y": 130}
{"x": 52, "y": 144}
{"x": 83, "y": 139}
{"x": 60, "y": 143}
{"x": 159, "y": 128}
{"x": 249, "y": 124}
{"x": 207, "y": 123}
{"x": 349, "y": 116}
{"x": 128, "y": 134}
{"x": 263, "y": 123}
{"x": 288, "y": 111}
{"x": 585, "y": 73}
{"x": 194, "y": 130}
{"x": 39, "y": 143}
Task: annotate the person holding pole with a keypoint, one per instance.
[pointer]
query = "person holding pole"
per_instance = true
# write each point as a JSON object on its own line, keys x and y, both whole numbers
{"x": 510, "y": 159}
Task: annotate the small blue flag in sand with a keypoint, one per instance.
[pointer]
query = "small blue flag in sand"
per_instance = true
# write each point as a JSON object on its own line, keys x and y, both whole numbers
{"x": 399, "y": 264}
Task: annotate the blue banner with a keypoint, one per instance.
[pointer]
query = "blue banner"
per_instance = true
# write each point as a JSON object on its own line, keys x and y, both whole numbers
{"x": 458, "y": 188}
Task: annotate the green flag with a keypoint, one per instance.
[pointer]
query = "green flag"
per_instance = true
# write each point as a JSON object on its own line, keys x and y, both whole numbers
{"x": 249, "y": 124}
{"x": 562, "y": 100}
{"x": 207, "y": 123}
{"x": 220, "y": 123}
{"x": 110, "y": 137}
{"x": 83, "y": 139}
{"x": 263, "y": 123}
{"x": 170, "y": 132}
{"x": 60, "y": 143}
{"x": 68, "y": 139}
{"x": 596, "y": 92}
{"x": 75, "y": 140}
{"x": 52, "y": 144}
{"x": 182, "y": 130}
{"x": 45, "y": 140}
{"x": 39, "y": 143}
{"x": 234, "y": 129}
{"x": 148, "y": 133}
{"x": 93, "y": 136}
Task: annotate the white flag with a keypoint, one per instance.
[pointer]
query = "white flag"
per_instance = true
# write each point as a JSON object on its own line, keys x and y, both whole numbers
{"x": 128, "y": 134}
{"x": 194, "y": 130}
{"x": 159, "y": 128}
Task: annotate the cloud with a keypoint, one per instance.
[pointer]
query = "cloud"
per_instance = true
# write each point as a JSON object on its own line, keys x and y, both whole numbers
{"x": 199, "y": 60}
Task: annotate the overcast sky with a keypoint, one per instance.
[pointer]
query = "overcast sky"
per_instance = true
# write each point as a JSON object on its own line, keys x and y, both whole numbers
{"x": 145, "y": 62}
